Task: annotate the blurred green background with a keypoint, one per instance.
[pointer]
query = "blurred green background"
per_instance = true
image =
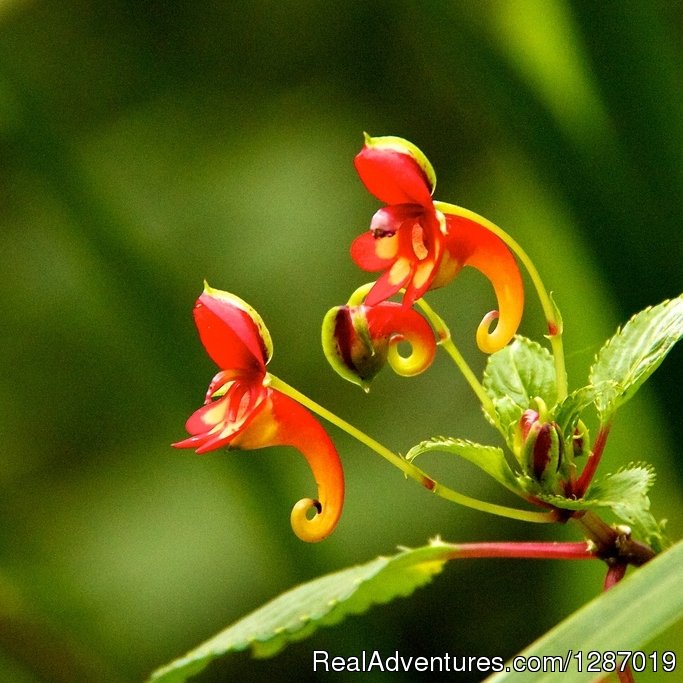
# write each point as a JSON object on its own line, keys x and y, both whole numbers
{"x": 145, "y": 146}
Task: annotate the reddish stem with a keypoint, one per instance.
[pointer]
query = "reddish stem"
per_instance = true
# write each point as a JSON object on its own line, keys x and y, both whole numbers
{"x": 614, "y": 545}
{"x": 614, "y": 574}
{"x": 626, "y": 676}
{"x": 540, "y": 550}
{"x": 593, "y": 461}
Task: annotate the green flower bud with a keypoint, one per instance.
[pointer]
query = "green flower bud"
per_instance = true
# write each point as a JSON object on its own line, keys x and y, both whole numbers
{"x": 542, "y": 449}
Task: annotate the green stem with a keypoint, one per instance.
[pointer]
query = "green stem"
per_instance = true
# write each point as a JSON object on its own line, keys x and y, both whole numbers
{"x": 446, "y": 342}
{"x": 553, "y": 319}
{"x": 407, "y": 467}
{"x": 601, "y": 533}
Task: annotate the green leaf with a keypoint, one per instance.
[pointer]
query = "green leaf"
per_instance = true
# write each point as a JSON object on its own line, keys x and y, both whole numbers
{"x": 628, "y": 486}
{"x": 634, "y": 353}
{"x": 625, "y": 493}
{"x": 626, "y": 618}
{"x": 514, "y": 376}
{"x": 629, "y": 483}
{"x": 322, "y": 602}
{"x": 627, "y": 490}
{"x": 567, "y": 412}
{"x": 490, "y": 459}
{"x": 645, "y": 526}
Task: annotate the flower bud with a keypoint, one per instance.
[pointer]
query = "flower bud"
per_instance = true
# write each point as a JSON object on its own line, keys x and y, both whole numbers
{"x": 580, "y": 441}
{"x": 541, "y": 449}
{"x": 359, "y": 340}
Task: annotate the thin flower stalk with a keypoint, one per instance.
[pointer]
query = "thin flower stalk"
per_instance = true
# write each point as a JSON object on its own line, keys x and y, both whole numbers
{"x": 553, "y": 320}
{"x": 444, "y": 339}
{"x": 407, "y": 467}
{"x": 446, "y": 342}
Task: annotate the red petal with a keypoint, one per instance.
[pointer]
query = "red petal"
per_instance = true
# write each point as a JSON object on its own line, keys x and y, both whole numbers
{"x": 389, "y": 219}
{"x": 219, "y": 423}
{"x": 421, "y": 280}
{"x": 385, "y": 287}
{"x": 426, "y": 268}
{"x": 230, "y": 336}
{"x": 250, "y": 416}
{"x": 364, "y": 252}
{"x": 395, "y": 322}
{"x": 393, "y": 177}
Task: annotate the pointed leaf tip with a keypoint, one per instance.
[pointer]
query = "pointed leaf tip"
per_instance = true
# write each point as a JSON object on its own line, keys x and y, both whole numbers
{"x": 322, "y": 602}
{"x": 637, "y": 349}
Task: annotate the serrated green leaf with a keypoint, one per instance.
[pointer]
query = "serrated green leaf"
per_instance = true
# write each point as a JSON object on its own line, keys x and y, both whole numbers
{"x": 645, "y": 526}
{"x": 514, "y": 376}
{"x": 567, "y": 412}
{"x": 625, "y": 493}
{"x": 490, "y": 459}
{"x": 635, "y": 352}
{"x": 627, "y": 617}
{"x": 628, "y": 490}
{"x": 629, "y": 484}
{"x": 322, "y": 602}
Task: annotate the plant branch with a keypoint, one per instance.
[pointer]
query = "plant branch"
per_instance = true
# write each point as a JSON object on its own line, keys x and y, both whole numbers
{"x": 407, "y": 467}
{"x": 593, "y": 461}
{"x": 539, "y": 550}
{"x": 613, "y": 544}
{"x": 616, "y": 573}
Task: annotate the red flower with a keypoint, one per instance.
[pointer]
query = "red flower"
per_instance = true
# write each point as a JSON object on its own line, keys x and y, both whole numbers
{"x": 241, "y": 411}
{"x": 359, "y": 340}
{"x": 421, "y": 244}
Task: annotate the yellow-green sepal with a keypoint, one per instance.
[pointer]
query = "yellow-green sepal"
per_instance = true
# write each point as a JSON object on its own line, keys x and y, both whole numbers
{"x": 349, "y": 348}
{"x": 235, "y": 301}
{"x": 397, "y": 144}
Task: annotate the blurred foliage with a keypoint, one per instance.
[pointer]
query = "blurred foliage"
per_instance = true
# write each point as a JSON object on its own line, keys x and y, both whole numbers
{"x": 146, "y": 146}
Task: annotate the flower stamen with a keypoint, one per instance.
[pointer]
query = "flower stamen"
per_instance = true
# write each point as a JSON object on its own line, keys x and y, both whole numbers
{"x": 418, "y": 240}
